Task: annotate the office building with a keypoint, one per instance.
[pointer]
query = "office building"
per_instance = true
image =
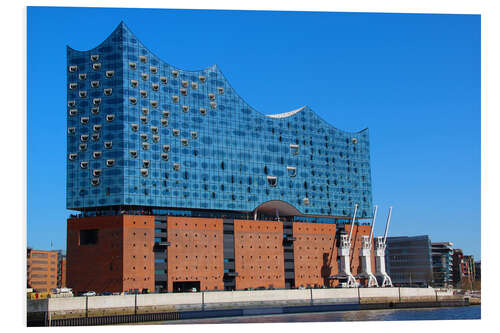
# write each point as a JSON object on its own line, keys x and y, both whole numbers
{"x": 42, "y": 268}
{"x": 465, "y": 270}
{"x": 469, "y": 267}
{"x": 458, "y": 267}
{"x": 477, "y": 271}
{"x": 409, "y": 260}
{"x": 442, "y": 264}
{"x": 180, "y": 184}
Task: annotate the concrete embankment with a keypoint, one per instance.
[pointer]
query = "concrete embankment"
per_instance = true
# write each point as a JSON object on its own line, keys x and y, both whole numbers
{"x": 475, "y": 300}
{"x": 101, "y": 310}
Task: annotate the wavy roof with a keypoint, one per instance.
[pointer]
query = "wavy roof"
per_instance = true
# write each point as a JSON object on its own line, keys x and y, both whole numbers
{"x": 122, "y": 27}
{"x": 286, "y": 114}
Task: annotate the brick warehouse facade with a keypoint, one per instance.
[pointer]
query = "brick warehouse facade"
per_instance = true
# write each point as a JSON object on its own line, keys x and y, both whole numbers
{"x": 119, "y": 253}
{"x": 316, "y": 253}
{"x": 195, "y": 252}
{"x": 111, "y": 253}
{"x": 258, "y": 254}
{"x": 181, "y": 184}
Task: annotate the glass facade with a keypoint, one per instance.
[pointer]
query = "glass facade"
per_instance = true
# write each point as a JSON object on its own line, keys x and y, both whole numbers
{"x": 409, "y": 261}
{"x": 442, "y": 263}
{"x": 142, "y": 133}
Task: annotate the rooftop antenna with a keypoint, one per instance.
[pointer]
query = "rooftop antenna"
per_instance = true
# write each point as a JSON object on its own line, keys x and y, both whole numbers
{"x": 380, "y": 245}
{"x": 365, "y": 256}
{"x": 343, "y": 253}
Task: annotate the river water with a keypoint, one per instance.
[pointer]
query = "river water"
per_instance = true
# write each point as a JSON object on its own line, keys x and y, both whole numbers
{"x": 452, "y": 313}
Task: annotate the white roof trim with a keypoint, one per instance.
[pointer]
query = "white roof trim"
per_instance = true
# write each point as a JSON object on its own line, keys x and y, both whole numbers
{"x": 286, "y": 114}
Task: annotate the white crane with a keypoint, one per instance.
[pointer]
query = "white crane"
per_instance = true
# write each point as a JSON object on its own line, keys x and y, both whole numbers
{"x": 365, "y": 256}
{"x": 343, "y": 253}
{"x": 380, "y": 245}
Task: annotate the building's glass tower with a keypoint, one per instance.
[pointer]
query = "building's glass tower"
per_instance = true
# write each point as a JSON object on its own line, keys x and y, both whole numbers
{"x": 143, "y": 135}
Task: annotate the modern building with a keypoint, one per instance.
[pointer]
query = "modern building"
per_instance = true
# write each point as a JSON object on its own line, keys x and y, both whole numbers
{"x": 442, "y": 264}
{"x": 458, "y": 267}
{"x": 409, "y": 260}
{"x": 179, "y": 183}
{"x": 465, "y": 270}
{"x": 42, "y": 267}
{"x": 469, "y": 267}
{"x": 477, "y": 271}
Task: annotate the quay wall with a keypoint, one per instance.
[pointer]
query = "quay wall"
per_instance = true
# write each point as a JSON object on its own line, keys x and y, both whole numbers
{"x": 338, "y": 295}
{"x": 177, "y": 302}
{"x": 379, "y": 295}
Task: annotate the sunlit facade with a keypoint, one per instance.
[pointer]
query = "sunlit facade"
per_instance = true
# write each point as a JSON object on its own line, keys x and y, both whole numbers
{"x": 144, "y": 134}
{"x": 175, "y": 174}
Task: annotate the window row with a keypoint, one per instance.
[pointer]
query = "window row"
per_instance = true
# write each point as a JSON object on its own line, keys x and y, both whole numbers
{"x": 95, "y": 101}
{"x": 85, "y": 164}
{"x": 83, "y": 147}
{"x": 83, "y": 76}
{"x": 154, "y": 70}
{"x": 96, "y": 128}
{"x": 175, "y": 99}
{"x": 107, "y": 92}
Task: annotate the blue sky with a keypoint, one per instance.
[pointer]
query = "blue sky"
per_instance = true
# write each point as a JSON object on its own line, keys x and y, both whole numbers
{"x": 412, "y": 79}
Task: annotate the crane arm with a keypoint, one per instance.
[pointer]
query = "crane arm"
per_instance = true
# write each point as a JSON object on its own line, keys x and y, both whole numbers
{"x": 353, "y": 219}
{"x": 373, "y": 223}
{"x": 387, "y": 223}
